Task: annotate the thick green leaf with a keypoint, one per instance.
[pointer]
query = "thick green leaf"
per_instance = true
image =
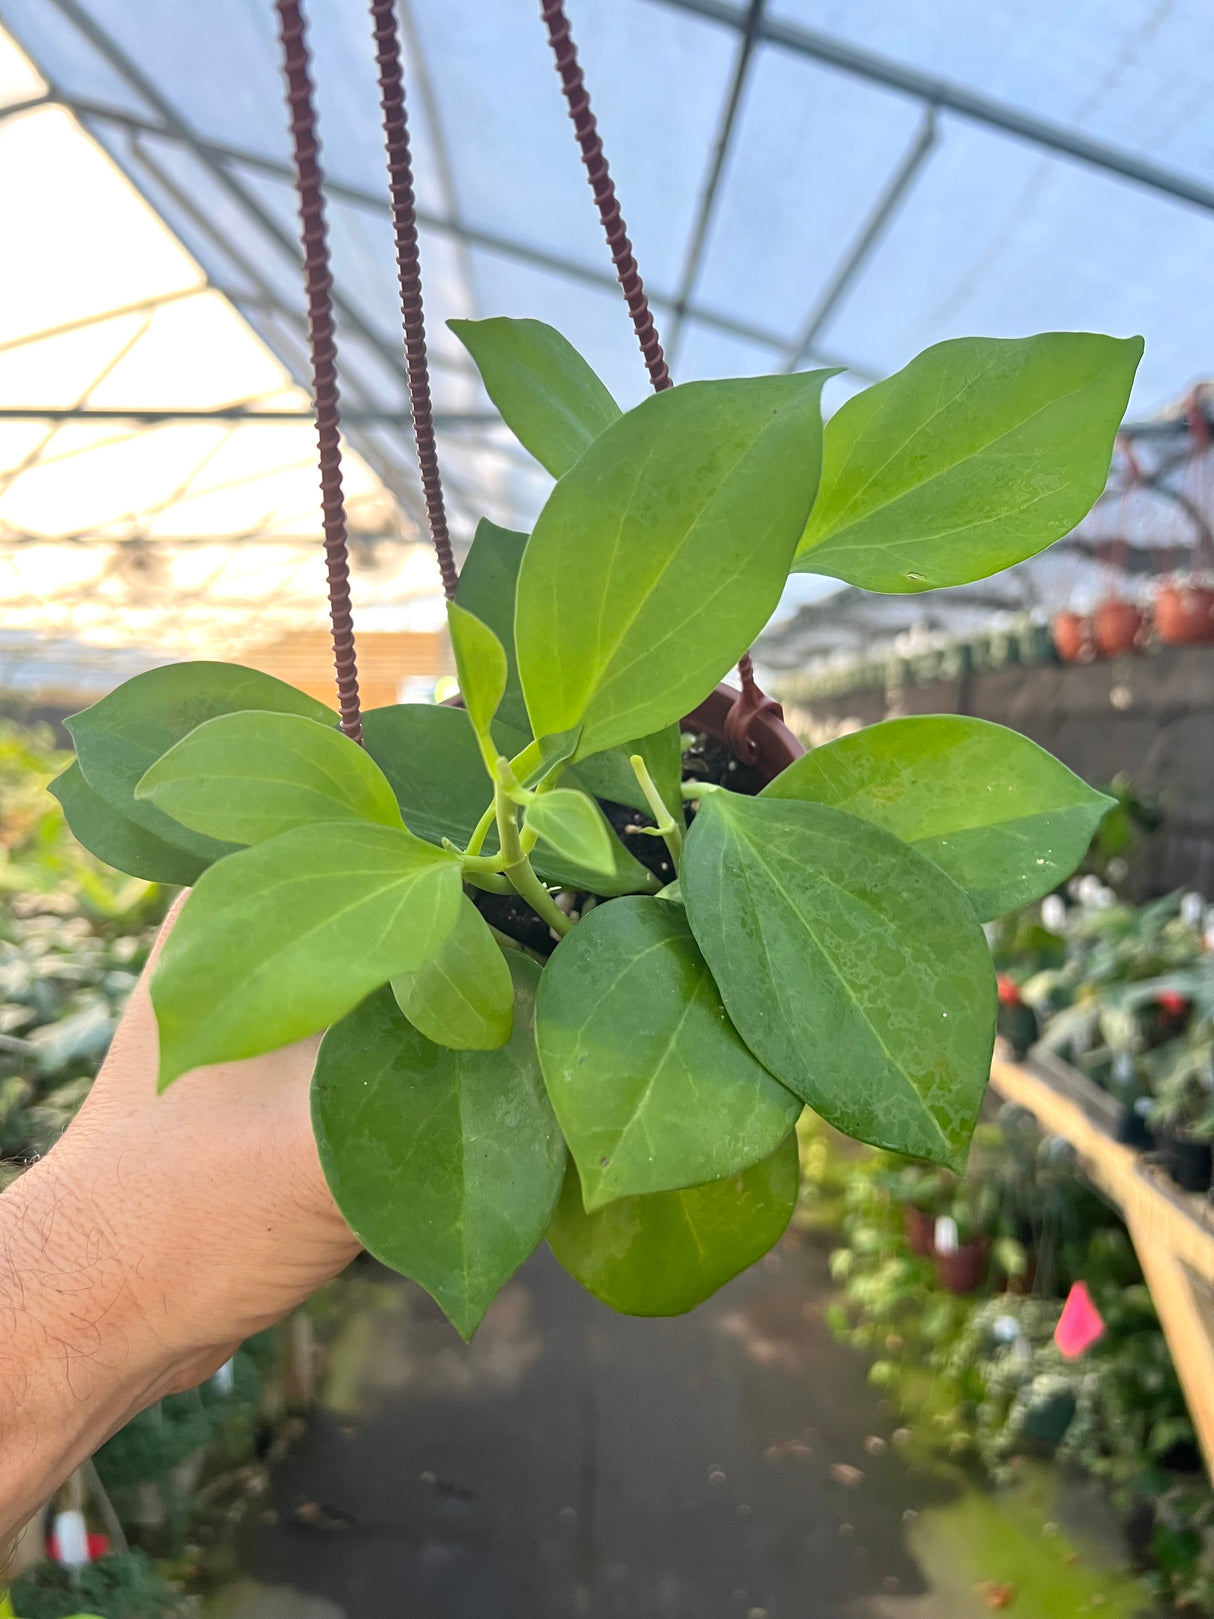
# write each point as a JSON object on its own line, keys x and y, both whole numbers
{"x": 986, "y": 805}
{"x": 247, "y": 777}
{"x": 572, "y": 825}
{"x": 445, "y": 1164}
{"x": 120, "y": 737}
{"x": 480, "y": 662}
{"x": 280, "y": 940}
{"x": 660, "y": 555}
{"x": 853, "y": 968}
{"x": 666, "y": 1253}
{"x": 487, "y": 583}
{"x": 650, "y": 1080}
{"x": 430, "y": 755}
{"x": 463, "y": 997}
{"x": 610, "y": 775}
{"x": 979, "y": 453}
{"x": 548, "y": 396}
{"x": 120, "y": 842}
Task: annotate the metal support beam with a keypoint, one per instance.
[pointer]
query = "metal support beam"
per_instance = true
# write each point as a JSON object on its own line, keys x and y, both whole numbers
{"x": 241, "y": 414}
{"x": 708, "y": 198}
{"x": 878, "y": 221}
{"x": 954, "y": 98}
{"x": 90, "y": 112}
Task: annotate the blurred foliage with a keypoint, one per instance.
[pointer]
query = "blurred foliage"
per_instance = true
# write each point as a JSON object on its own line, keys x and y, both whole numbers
{"x": 978, "y": 1376}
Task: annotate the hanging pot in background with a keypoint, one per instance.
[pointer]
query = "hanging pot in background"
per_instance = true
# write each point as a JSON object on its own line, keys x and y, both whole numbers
{"x": 1071, "y": 638}
{"x": 1118, "y": 627}
{"x": 1184, "y": 613}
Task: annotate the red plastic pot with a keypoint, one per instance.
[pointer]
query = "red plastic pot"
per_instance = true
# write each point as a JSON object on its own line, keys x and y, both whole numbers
{"x": 1184, "y": 614}
{"x": 774, "y": 745}
{"x": 1118, "y": 627}
{"x": 920, "y": 1230}
{"x": 963, "y": 1270}
{"x": 1070, "y": 633}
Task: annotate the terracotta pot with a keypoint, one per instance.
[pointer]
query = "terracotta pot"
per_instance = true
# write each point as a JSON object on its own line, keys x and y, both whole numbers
{"x": 1118, "y": 628}
{"x": 920, "y": 1230}
{"x": 963, "y": 1270}
{"x": 1184, "y": 614}
{"x": 775, "y": 745}
{"x": 1070, "y": 633}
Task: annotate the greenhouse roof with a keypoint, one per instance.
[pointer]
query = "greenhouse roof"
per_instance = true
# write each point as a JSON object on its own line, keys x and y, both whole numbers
{"x": 806, "y": 182}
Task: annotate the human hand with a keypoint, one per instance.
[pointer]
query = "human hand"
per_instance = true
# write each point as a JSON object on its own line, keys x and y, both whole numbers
{"x": 158, "y": 1233}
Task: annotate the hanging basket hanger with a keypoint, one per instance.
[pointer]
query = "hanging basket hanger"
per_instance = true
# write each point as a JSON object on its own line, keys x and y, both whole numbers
{"x": 750, "y": 703}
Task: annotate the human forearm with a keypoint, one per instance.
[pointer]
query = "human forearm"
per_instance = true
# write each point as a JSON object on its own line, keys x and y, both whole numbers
{"x": 76, "y": 1356}
{"x": 153, "y": 1238}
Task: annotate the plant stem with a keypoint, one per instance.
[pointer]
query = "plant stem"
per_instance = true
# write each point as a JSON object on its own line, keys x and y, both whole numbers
{"x": 669, "y": 829}
{"x": 519, "y": 869}
{"x": 477, "y": 841}
{"x": 490, "y": 882}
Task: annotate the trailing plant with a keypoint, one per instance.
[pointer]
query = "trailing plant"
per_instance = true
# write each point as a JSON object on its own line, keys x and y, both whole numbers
{"x": 632, "y": 1092}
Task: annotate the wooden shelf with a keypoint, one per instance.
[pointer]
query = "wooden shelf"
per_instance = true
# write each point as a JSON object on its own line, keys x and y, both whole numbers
{"x": 1171, "y": 1230}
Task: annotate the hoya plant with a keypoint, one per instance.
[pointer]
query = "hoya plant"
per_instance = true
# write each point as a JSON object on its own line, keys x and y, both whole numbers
{"x": 575, "y": 984}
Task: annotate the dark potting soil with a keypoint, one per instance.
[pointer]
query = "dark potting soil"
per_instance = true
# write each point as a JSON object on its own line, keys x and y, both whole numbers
{"x": 704, "y": 760}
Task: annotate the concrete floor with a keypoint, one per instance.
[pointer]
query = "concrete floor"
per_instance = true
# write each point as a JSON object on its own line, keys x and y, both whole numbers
{"x": 575, "y": 1464}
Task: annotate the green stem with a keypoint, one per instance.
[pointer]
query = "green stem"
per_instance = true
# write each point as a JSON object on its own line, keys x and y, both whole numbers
{"x": 519, "y": 869}
{"x": 669, "y": 829}
{"x": 489, "y": 881}
{"x": 477, "y": 841}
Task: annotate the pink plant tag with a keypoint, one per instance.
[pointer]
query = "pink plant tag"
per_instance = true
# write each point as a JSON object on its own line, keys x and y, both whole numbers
{"x": 1080, "y": 1323}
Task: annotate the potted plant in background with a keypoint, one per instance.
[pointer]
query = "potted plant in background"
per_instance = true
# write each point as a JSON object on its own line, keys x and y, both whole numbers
{"x": 1183, "y": 1115}
{"x": 529, "y": 1031}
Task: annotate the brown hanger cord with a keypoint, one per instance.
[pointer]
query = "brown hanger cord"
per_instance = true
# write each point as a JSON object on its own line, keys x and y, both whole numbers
{"x": 319, "y": 283}
{"x": 404, "y": 224}
{"x": 751, "y": 701}
{"x": 586, "y": 128}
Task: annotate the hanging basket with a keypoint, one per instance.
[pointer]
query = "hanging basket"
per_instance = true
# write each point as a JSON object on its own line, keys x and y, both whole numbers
{"x": 1118, "y": 628}
{"x": 1184, "y": 613}
{"x": 1071, "y": 635}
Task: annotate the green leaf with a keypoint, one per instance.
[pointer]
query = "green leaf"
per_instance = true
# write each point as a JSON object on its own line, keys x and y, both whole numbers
{"x": 666, "y": 1253}
{"x": 115, "y": 839}
{"x": 487, "y": 583}
{"x": 446, "y": 1165}
{"x": 609, "y": 775}
{"x": 660, "y": 555}
{"x": 430, "y": 756}
{"x": 280, "y": 940}
{"x": 853, "y": 968}
{"x": 572, "y": 825}
{"x": 247, "y": 777}
{"x": 979, "y": 453}
{"x": 539, "y": 758}
{"x": 120, "y": 737}
{"x": 480, "y": 662}
{"x": 1001, "y": 816}
{"x": 651, "y": 1082}
{"x": 548, "y": 396}
{"x": 463, "y": 997}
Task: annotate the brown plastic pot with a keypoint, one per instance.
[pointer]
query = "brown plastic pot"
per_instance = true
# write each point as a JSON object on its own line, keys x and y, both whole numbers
{"x": 1184, "y": 614}
{"x": 775, "y": 747}
{"x": 920, "y": 1230}
{"x": 1070, "y": 633}
{"x": 963, "y": 1270}
{"x": 1118, "y": 627}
